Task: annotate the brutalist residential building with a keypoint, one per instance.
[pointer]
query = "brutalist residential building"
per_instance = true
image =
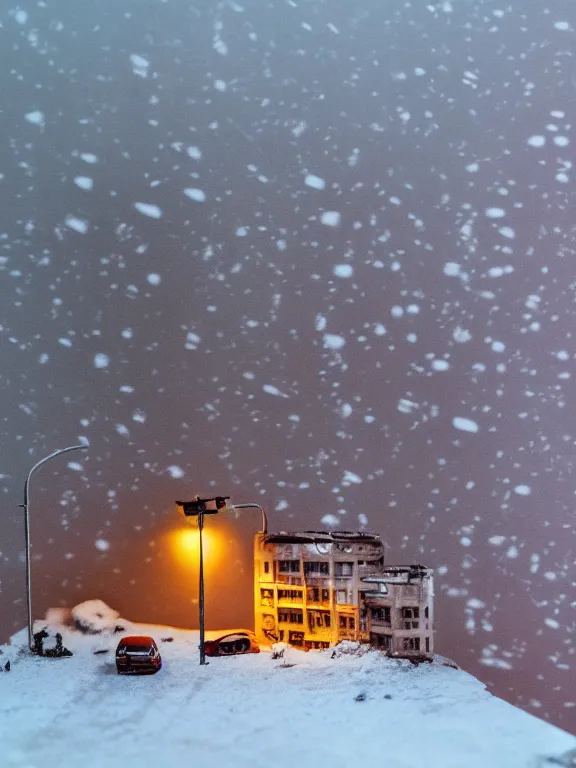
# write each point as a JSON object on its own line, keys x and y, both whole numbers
{"x": 316, "y": 588}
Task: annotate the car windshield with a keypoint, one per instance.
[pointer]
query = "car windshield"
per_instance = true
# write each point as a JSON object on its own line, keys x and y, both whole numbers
{"x": 138, "y": 648}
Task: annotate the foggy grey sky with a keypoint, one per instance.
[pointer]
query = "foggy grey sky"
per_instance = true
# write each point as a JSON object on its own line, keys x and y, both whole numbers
{"x": 318, "y": 255}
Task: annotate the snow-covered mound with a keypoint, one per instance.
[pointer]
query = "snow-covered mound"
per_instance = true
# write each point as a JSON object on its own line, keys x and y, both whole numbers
{"x": 94, "y": 617}
{"x": 343, "y": 710}
{"x": 58, "y": 617}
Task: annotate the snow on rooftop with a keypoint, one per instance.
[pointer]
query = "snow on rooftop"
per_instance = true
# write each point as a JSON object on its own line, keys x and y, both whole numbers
{"x": 309, "y": 709}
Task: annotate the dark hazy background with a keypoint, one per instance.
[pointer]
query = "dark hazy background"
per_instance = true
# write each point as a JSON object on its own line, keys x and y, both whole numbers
{"x": 378, "y": 239}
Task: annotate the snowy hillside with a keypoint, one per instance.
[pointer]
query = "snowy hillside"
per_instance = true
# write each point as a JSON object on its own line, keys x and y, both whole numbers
{"x": 312, "y": 709}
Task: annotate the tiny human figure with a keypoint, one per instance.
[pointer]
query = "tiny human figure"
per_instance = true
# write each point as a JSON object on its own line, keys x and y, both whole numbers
{"x": 7, "y": 666}
{"x": 39, "y": 638}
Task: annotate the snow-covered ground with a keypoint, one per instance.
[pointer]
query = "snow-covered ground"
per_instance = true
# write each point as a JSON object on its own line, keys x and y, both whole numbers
{"x": 251, "y": 711}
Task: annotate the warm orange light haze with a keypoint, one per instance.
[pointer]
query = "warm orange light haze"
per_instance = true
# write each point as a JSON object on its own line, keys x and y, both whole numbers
{"x": 185, "y": 547}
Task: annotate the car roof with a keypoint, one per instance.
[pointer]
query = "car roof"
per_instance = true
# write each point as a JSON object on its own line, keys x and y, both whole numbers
{"x": 137, "y": 640}
{"x": 233, "y": 634}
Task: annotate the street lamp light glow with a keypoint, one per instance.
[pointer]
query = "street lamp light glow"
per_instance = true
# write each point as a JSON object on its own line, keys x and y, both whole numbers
{"x": 185, "y": 543}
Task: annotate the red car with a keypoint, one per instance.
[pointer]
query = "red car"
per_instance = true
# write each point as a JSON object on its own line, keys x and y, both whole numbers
{"x": 232, "y": 644}
{"x": 137, "y": 655}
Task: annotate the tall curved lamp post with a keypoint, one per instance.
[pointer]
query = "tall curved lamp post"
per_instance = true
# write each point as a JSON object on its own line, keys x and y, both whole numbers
{"x": 26, "y": 506}
{"x": 197, "y": 508}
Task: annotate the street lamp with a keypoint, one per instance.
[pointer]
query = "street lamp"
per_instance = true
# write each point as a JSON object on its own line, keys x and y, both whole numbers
{"x": 26, "y": 506}
{"x": 197, "y": 508}
{"x": 254, "y": 506}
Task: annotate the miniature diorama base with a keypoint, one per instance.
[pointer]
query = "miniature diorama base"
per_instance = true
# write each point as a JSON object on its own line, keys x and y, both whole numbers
{"x": 343, "y": 706}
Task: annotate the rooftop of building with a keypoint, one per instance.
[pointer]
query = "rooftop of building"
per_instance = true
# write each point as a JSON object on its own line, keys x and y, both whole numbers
{"x": 322, "y": 537}
{"x": 399, "y": 574}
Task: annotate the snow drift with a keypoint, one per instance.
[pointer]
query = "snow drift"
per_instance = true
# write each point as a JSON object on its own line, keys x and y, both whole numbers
{"x": 344, "y": 709}
{"x": 94, "y": 616}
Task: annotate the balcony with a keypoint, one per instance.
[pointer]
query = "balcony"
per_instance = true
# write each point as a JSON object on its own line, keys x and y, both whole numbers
{"x": 318, "y": 579}
{"x": 291, "y": 617}
{"x": 284, "y": 578}
{"x": 380, "y": 624}
{"x": 321, "y": 633}
{"x": 290, "y": 600}
{"x": 317, "y": 573}
{"x": 290, "y": 596}
{"x": 381, "y": 618}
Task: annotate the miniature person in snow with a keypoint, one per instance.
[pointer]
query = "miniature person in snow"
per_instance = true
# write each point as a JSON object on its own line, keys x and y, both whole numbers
{"x": 39, "y": 638}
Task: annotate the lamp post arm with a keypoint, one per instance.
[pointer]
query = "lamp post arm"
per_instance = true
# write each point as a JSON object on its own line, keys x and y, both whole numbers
{"x": 255, "y": 506}
{"x": 44, "y": 460}
{"x": 26, "y": 506}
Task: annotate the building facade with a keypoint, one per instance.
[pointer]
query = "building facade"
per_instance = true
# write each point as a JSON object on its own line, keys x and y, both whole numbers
{"x": 315, "y": 588}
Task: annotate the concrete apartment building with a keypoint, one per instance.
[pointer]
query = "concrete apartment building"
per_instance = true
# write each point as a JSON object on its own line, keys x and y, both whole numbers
{"x": 316, "y": 588}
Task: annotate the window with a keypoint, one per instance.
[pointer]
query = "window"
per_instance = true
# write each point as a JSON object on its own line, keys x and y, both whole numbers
{"x": 316, "y": 568}
{"x": 288, "y": 566}
{"x": 318, "y": 620}
{"x": 294, "y": 595}
{"x": 342, "y": 596}
{"x": 427, "y": 644}
{"x": 266, "y": 567}
{"x": 266, "y": 597}
{"x": 343, "y": 569}
{"x": 290, "y": 616}
{"x": 313, "y": 644}
{"x": 411, "y": 643}
{"x": 380, "y": 615}
{"x": 317, "y": 595}
{"x": 381, "y": 641}
{"x": 410, "y": 618}
{"x": 426, "y": 612}
{"x": 346, "y": 622}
